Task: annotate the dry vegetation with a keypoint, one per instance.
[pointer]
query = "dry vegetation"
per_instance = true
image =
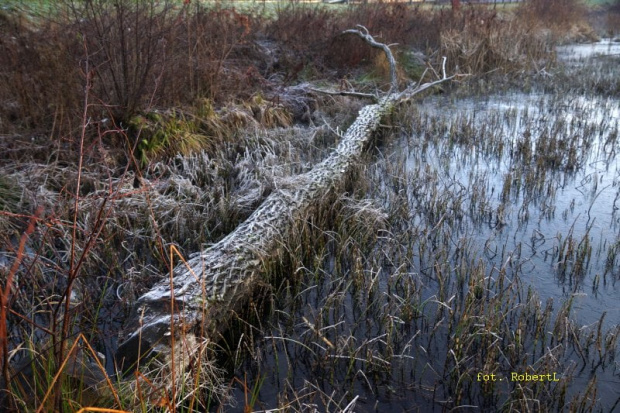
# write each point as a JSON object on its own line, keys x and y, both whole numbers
{"x": 128, "y": 129}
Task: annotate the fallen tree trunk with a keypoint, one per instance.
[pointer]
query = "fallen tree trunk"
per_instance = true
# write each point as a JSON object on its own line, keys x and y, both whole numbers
{"x": 209, "y": 285}
{"x": 201, "y": 295}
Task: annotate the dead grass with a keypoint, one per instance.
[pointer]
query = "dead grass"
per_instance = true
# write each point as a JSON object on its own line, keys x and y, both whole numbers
{"x": 217, "y": 188}
{"x": 142, "y": 59}
{"x": 175, "y": 152}
{"x": 567, "y": 20}
{"x": 487, "y": 43}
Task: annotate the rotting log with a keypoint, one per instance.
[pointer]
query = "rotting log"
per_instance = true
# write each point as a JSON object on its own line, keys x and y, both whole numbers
{"x": 203, "y": 293}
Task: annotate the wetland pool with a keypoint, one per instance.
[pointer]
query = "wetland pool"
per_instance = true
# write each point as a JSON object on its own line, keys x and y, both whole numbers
{"x": 486, "y": 243}
{"x": 536, "y": 172}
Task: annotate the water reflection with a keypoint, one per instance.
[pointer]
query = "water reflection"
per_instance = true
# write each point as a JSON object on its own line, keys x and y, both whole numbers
{"x": 556, "y": 176}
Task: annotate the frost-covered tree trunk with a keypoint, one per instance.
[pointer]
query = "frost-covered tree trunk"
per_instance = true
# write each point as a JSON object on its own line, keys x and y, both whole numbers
{"x": 201, "y": 296}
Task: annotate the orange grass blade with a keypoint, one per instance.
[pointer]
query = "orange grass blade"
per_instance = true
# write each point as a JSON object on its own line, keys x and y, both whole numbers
{"x": 55, "y": 379}
{"x": 100, "y": 410}
{"x": 107, "y": 378}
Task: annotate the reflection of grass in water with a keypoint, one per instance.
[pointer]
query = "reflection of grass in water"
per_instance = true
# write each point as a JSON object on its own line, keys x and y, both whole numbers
{"x": 412, "y": 308}
{"x": 353, "y": 322}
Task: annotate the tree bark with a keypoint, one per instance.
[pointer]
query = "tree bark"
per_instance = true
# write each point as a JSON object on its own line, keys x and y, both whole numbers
{"x": 201, "y": 296}
{"x": 207, "y": 289}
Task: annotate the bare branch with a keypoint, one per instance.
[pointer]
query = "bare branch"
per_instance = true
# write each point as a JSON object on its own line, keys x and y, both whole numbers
{"x": 371, "y": 96}
{"x": 367, "y": 37}
{"x": 443, "y": 66}
{"x": 414, "y": 90}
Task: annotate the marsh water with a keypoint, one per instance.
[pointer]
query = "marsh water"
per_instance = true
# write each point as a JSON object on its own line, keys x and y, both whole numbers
{"x": 577, "y": 53}
{"x": 524, "y": 198}
{"x": 512, "y": 199}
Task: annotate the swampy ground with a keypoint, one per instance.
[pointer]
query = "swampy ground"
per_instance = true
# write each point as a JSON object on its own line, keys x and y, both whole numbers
{"x": 473, "y": 249}
{"x": 484, "y": 247}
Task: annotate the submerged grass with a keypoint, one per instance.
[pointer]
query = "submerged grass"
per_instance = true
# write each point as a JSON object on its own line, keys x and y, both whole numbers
{"x": 423, "y": 295}
{"x": 383, "y": 298}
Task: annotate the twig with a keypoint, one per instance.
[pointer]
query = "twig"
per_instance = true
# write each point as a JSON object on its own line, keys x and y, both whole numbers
{"x": 367, "y": 37}
{"x": 6, "y": 293}
{"x": 371, "y": 96}
{"x": 351, "y": 405}
{"x": 443, "y": 67}
{"x": 408, "y": 93}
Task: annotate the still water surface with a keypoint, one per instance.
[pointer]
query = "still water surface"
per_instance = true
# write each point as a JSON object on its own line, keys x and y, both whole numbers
{"x": 580, "y": 200}
{"x": 525, "y": 181}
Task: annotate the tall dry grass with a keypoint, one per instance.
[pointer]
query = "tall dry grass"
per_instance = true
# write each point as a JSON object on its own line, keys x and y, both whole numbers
{"x": 73, "y": 91}
{"x": 140, "y": 55}
{"x": 477, "y": 40}
{"x": 566, "y": 20}
{"x": 143, "y": 57}
{"x": 484, "y": 42}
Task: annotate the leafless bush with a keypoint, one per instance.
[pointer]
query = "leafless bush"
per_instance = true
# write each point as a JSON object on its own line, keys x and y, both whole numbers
{"x": 140, "y": 55}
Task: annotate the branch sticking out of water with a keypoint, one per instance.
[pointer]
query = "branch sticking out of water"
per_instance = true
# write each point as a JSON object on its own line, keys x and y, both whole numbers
{"x": 367, "y": 37}
{"x": 371, "y": 96}
{"x": 406, "y": 94}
